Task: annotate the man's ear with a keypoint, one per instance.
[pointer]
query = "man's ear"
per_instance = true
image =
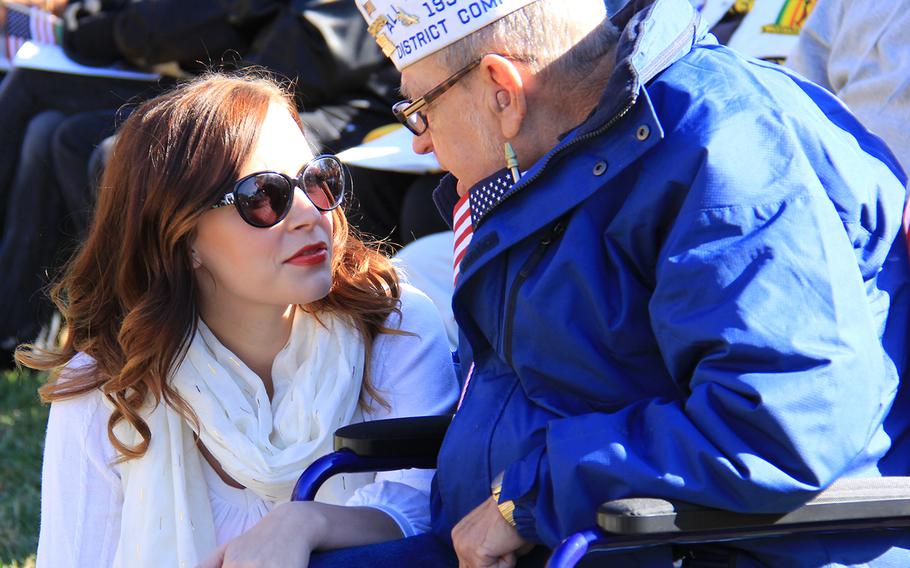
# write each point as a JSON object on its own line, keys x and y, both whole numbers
{"x": 505, "y": 95}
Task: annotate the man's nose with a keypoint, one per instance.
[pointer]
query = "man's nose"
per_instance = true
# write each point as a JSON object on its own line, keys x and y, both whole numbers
{"x": 423, "y": 144}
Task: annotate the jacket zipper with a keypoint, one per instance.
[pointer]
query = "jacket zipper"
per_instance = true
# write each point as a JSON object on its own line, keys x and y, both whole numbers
{"x": 523, "y": 275}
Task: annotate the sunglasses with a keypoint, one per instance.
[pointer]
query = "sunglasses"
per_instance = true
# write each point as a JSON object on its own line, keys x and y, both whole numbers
{"x": 264, "y": 199}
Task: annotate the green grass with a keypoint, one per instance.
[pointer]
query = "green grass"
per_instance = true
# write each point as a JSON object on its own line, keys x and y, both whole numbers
{"x": 22, "y": 425}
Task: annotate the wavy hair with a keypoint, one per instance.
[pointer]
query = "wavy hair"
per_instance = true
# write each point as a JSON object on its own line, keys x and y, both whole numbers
{"x": 128, "y": 295}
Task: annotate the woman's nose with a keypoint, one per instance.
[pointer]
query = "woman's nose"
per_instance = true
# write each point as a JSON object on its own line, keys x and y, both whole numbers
{"x": 302, "y": 212}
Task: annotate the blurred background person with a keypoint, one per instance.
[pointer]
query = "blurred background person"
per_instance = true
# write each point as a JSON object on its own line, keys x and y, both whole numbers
{"x": 860, "y": 51}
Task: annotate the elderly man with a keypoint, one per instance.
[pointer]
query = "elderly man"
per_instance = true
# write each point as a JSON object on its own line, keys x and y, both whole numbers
{"x": 674, "y": 276}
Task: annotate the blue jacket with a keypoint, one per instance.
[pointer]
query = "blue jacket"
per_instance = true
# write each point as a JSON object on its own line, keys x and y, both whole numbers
{"x": 685, "y": 299}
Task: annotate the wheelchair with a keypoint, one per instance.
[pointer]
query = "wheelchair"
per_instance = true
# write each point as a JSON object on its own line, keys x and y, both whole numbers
{"x": 625, "y": 524}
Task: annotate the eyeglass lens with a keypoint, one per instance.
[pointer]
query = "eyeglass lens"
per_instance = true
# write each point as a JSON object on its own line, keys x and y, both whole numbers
{"x": 417, "y": 123}
{"x": 264, "y": 199}
{"x": 323, "y": 181}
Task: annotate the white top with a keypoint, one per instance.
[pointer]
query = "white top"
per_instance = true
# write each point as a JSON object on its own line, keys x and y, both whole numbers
{"x": 860, "y": 51}
{"x": 81, "y": 495}
{"x": 427, "y": 264}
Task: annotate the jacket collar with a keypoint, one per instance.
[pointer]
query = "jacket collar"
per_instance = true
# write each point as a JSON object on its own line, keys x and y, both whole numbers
{"x": 655, "y": 34}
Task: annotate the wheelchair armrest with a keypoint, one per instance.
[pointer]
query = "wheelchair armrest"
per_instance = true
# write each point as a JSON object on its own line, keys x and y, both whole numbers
{"x": 395, "y": 438}
{"x": 379, "y": 445}
{"x": 845, "y": 501}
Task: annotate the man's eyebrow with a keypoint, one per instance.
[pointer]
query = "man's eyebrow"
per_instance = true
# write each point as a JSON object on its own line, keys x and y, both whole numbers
{"x": 404, "y": 91}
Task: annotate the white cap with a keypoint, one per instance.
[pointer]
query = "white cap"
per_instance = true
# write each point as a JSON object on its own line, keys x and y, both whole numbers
{"x": 409, "y": 30}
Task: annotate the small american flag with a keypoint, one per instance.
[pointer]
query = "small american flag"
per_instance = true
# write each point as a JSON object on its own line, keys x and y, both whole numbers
{"x": 464, "y": 231}
{"x": 25, "y": 23}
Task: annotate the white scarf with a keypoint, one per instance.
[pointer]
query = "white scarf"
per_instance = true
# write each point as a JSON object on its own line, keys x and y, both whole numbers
{"x": 166, "y": 517}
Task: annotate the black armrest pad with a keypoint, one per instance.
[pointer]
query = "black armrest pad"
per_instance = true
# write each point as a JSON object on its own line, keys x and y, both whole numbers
{"x": 395, "y": 438}
{"x": 846, "y": 499}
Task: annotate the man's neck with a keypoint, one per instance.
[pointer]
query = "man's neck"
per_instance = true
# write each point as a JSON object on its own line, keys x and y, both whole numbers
{"x": 563, "y": 107}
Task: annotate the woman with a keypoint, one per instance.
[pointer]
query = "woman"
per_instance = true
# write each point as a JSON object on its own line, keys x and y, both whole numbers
{"x": 223, "y": 322}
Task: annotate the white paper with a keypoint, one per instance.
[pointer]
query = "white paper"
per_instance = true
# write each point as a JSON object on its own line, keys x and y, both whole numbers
{"x": 45, "y": 57}
{"x": 752, "y": 37}
{"x": 392, "y": 152}
{"x": 712, "y": 10}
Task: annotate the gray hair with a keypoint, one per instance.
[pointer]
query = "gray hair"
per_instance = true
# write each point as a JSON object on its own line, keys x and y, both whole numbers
{"x": 564, "y": 39}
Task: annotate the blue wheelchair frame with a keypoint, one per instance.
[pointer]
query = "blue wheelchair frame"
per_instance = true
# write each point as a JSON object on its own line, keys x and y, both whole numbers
{"x": 625, "y": 524}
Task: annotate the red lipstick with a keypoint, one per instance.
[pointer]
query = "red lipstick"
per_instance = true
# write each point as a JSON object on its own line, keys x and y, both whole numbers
{"x": 310, "y": 255}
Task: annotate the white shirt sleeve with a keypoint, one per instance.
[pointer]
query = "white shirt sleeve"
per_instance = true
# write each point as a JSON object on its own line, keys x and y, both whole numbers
{"x": 813, "y": 48}
{"x": 414, "y": 374}
{"x": 81, "y": 495}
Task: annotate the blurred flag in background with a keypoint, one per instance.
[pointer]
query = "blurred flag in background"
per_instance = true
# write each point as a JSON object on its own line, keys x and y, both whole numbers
{"x": 26, "y": 23}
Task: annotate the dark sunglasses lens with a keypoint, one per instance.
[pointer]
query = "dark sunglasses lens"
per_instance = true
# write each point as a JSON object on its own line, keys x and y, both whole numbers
{"x": 323, "y": 180}
{"x": 264, "y": 199}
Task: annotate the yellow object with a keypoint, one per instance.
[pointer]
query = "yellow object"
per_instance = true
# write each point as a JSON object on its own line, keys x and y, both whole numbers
{"x": 512, "y": 162}
{"x": 743, "y": 6}
{"x": 380, "y": 132}
{"x": 506, "y": 508}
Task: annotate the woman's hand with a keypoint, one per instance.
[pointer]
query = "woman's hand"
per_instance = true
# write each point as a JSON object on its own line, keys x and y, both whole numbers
{"x": 285, "y": 537}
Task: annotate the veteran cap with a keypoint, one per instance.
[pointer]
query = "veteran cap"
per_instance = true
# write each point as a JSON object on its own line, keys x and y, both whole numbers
{"x": 409, "y": 30}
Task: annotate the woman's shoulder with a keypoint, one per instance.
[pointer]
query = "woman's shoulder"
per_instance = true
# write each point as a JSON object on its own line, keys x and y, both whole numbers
{"x": 413, "y": 369}
{"x": 416, "y": 312}
{"x": 77, "y": 425}
{"x": 82, "y": 413}
{"x": 80, "y": 362}
{"x": 80, "y": 365}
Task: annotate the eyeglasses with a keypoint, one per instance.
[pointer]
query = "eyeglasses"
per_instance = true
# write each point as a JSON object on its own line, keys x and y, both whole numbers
{"x": 264, "y": 199}
{"x": 410, "y": 112}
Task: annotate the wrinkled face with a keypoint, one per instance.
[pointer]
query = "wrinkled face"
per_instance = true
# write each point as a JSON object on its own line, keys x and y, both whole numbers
{"x": 461, "y": 132}
{"x": 289, "y": 263}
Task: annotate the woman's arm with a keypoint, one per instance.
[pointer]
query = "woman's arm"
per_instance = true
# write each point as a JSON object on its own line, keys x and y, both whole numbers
{"x": 287, "y": 535}
{"x": 81, "y": 497}
{"x": 414, "y": 374}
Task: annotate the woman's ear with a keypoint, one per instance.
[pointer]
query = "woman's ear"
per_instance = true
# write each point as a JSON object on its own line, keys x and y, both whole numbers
{"x": 505, "y": 93}
{"x": 194, "y": 257}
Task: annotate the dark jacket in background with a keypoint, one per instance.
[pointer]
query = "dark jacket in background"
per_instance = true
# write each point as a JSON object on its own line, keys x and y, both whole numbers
{"x": 343, "y": 84}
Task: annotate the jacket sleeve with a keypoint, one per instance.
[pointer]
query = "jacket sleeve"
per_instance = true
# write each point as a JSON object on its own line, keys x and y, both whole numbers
{"x": 414, "y": 373}
{"x": 324, "y": 47}
{"x": 760, "y": 314}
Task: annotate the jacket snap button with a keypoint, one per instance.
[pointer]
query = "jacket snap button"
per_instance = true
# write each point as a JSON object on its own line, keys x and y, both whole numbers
{"x": 600, "y": 168}
{"x": 643, "y": 132}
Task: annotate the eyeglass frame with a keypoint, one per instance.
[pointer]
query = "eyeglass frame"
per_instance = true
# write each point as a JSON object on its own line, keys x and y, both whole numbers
{"x": 230, "y": 198}
{"x": 403, "y": 110}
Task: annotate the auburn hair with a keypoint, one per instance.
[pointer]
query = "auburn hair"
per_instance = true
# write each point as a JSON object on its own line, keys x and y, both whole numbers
{"x": 128, "y": 295}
